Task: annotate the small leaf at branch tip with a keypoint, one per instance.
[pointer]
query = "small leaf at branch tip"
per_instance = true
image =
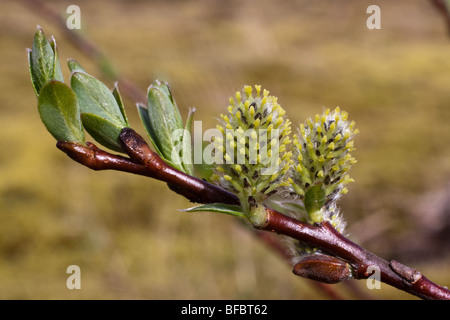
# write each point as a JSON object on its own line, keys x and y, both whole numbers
{"x": 58, "y": 108}
{"x": 232, "y": 210}
{"x": 43, "y": 61}
{"x": 103, "y": 131}
{"x": 119, "y": 100}
{"x": 164, "y": 126}
{"x": 75, "y": 66}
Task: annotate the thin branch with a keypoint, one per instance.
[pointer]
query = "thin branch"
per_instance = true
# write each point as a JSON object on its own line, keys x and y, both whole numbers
{"x": 326, "y": 238}
{"x": 443, "y": 6}
{"x": 144, "y": 161}
{"x": 276, "y": 246}
{"x": 97, "y": 159}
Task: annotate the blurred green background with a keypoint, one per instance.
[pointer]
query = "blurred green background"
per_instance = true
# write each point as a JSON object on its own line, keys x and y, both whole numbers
{"x": 126, "y": 233}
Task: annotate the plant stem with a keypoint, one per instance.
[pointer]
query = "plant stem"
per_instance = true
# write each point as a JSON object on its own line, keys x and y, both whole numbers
{"x": 326, "y": 238}
{"x": 144, "y": 161}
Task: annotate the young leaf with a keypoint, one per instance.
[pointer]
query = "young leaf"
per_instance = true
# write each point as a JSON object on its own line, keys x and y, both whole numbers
{"x": 94, "y": 97}
{"x": 144, "y": 115}
{"x": 163, "y": 119}
{"x": 57, "y": 72}
{"x": 119, "y": 101}
{"x": 58, "y": 108}
{"x": 103, "y": 131}
{"x": 43, "y": 62}
{"x": 187, "y": 160}
{"x": 218, "y": 207}
{"x": 74, "y": 66}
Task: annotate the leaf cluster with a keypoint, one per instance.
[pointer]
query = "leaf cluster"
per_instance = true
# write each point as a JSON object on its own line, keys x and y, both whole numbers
{"x": 86, "y": 103}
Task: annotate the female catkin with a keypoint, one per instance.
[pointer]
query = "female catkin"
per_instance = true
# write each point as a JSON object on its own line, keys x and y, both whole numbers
{"x": 253, "y": 154}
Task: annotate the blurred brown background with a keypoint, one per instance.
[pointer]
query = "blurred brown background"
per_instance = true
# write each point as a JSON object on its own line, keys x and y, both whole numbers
{"x": 126, "y": 233}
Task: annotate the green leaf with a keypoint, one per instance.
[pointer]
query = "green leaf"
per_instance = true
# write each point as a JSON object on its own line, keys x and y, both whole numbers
{"x": 119, "y": 101}
{"x": 218, "y": 207}
{"x": 43, "y": 62}
{"x": 58, "y": 108}
{"x": 163, "y": 123}
{"x": 94, "y": 97}
{"x": 57, "y": 72}
{"x": 143, "y": 114}
{"x": 187, "y": 159}
{"x": 102, "y": 111}
{"x": 163, "y": 119}
{"x": 103, "y": 131}
{"x": 314, "y": 200}
{"x": 74, "y": 66}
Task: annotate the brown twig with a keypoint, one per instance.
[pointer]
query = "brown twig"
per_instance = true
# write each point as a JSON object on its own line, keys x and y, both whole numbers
{"x": 444, "y": 9}
{"x": 281, "y": 250}
{"x": 144, "y": 161}
{"x": 326, "y": 238}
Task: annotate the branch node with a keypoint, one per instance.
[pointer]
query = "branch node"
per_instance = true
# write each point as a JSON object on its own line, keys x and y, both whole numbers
{"x": 411, "y": 275}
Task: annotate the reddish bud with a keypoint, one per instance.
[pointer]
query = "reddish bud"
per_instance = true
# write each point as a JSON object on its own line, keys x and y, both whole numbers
{"x": 322, "y": 268}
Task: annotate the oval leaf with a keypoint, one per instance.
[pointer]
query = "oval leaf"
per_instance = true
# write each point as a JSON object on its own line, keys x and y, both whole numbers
{"x": 103, "y": 131}
{"x": 119, "y": 101}
{"x": 95, "y": 98}
{"x": 163, "y": 119}
{"x": 143, "y": 114}
{"x": 58, "y": 108}
{"x": 43, "y": 62}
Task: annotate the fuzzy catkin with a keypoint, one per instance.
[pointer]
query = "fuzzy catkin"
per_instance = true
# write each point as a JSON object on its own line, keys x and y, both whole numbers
{"x": 322, "y": 158}
{"x": 254, "y": 150}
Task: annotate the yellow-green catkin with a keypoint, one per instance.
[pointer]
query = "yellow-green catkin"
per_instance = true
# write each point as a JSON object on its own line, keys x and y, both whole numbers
{"x": 322, "y": 156}
{"x": 254, "y": 153}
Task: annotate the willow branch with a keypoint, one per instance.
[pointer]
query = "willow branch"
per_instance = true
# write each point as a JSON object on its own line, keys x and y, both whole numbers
{"x": 326, "y": 238}
{"x": 143, "y": 161}
{"x": 149, "y": 164}
{"x": 443, "y": 8}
